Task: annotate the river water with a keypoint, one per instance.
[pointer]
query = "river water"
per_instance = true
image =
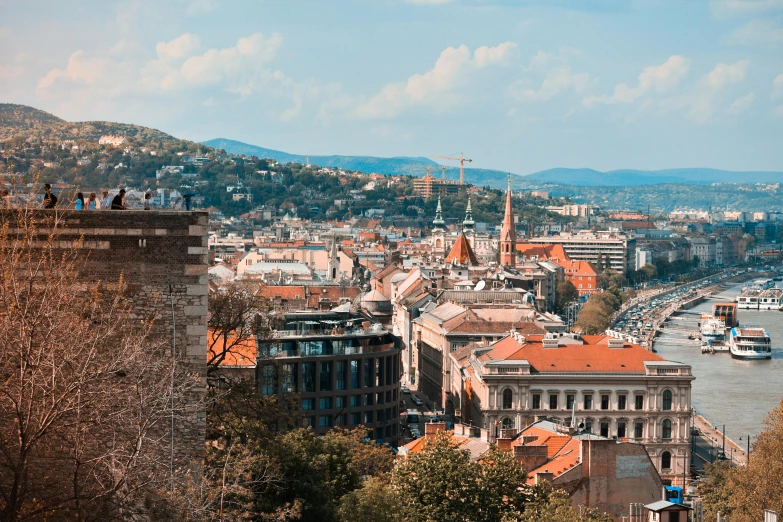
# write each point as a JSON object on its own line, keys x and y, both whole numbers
{"x": 728, "y": 391}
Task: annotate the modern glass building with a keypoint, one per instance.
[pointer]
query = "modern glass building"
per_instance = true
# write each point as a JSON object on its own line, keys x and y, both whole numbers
{"x": 345, "y": 369}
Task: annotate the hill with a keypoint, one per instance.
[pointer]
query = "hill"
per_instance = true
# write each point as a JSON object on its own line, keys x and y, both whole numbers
{"x": 24, "y": 121}
{"x": 414, "y": 166}
{"x": 631, "y": 177}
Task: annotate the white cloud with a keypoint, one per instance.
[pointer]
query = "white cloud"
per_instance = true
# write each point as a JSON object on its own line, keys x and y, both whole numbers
{"x": 724, "y": 74}
{"x": 199, "y": 7}
{"x": 777, "y": 87}
{"x": 655, "y": 78}
{"x": 227, "y": 66}
{"x": 179, "y": 48}
{"x": 80, "y": 68}
{"x": 428, "y": 2}
{"x": 741, "y": 104}
{"x": 744, "y": 7}
{"x": 709, "y": 92}
{"x": 436, "y": 88}
{"x": 758, "y": 32}
{"x": 556, "y": 81}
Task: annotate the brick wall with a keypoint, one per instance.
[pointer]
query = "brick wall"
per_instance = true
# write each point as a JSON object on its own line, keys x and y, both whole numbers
{"x": 153, "y": 251}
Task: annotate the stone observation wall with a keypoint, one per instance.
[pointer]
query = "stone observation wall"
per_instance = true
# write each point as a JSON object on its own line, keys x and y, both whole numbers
{"x": 153, "y": 251}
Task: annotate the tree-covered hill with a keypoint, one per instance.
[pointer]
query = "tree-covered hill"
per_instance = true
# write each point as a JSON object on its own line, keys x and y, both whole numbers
{"x": 28, "y": 122}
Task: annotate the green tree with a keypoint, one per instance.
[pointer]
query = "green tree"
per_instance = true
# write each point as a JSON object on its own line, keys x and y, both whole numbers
{"x": 550, "y": 505}
{"x": 375, "y": 501}
{"x": 714, "y": 489}
{"x": 565, "y": 294}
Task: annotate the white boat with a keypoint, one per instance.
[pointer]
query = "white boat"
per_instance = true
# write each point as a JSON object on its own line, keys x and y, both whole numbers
{"x": 750, "y": 342}
{"x": 771, "y": 299}
{"x": 712, "y": 328}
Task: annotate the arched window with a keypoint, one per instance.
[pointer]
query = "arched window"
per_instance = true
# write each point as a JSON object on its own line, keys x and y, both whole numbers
{"x": 667, "y": 399}
{"x": 666, "y": 460}
{"x": 507, "y": 423}
{"x": 667, "y": 429}
{"x": 508, "y": 399}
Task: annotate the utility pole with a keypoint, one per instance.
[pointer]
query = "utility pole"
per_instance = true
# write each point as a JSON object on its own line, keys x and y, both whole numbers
{"x": 724, "y": 441}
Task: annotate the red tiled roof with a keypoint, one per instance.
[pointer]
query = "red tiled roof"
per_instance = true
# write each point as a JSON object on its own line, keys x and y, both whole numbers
{"x": 243, "y": 353}
{"x": 522, "y": 327}
{"x": 282, "y": 292}
{"x": 462, "y": 253}
{"x": 594, "y": 356}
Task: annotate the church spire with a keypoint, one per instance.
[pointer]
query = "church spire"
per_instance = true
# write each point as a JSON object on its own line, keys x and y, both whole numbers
{"x": 468, "y": 224}
{"x": 508, "y": 234}
{"x": 438, "y": 223}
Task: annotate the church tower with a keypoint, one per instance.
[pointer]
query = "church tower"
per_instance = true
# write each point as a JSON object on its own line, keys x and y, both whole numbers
{"x": 469, "y": 226}
{"x": 333, "y": 270}
{"x": 508, "y": 235}
{"x": 438, "y": 233}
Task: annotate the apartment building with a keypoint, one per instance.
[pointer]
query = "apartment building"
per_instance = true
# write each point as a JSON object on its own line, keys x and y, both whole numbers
{"x": 345, "y": 370}
{"x": 607, "y": 386}
{"x": 610, "y": 250}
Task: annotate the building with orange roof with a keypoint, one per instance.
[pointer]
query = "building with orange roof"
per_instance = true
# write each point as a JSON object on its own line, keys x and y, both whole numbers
{"x": 235, "y": 357}
{"x": 616, "y": 389}
{"x": 461, "y": 253}
{"x": 580, "y": 273}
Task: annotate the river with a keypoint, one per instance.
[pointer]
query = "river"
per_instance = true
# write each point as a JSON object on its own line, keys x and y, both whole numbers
{"x": 728, "y": 391}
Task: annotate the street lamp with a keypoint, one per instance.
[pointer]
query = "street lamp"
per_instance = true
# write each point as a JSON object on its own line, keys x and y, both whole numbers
{"x": 747, "y": 455}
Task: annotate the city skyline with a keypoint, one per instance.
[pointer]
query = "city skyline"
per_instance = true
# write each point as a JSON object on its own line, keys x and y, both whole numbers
{"x": 519, "y": 86}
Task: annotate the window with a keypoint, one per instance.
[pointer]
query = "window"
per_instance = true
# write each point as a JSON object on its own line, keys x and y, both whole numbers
{"x": 325, "y": 403}
{"x": 379, "y": 398}
{"x": 268, "y": 380}
{"x": 638, "y": 430}
{"x": 604, "y": 402}
{"x": 666, "y": 460}
{"x": 311, "y": 347}
{"x": 308, "y": 404}
{"x": 536, "y": 401}
{"x": 339, "y": 402}
{"x": 326, "y": 376}
{"x": 340, "y": 420}
{"x": 604, "y": 429}
{"x": 508, "y": 399}
{"x": 639, "y": 402}
{"x": 379, "y": 371}
{"x": 621, "y": 430}
{"x": 368, "y": 399}
{"x": 356, "y": 401}
{"x": 341, "y": 366}
{"x": 308, "y": 377}
{"x": 325, "y": 421}
{"x": 356, "y": 419}
{"x": 289, "y": 378}
{"x": 570, "y": 401}
{"x": 667, "y": 429}
{"x": 552, "y": 401}
{"x": 368, "y": 372}
{"x": 621, "y": 402}
{"x": 368, "y": 418}
{"x": 354, "y": 375}
{"x": 589, "y": 426}
{"x": 507, "y": 423}
{"x": 310, "y": 421}
{"x": 667, "y": 400}
{"x": 588, "y": 402}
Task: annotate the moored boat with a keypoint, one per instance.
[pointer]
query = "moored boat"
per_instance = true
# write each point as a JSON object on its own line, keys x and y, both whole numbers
{"x": 749, "y": 343}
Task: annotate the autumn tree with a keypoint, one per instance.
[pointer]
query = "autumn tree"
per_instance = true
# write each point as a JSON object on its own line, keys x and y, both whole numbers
{"x": 87, "y": 392}
{"x": 565, "y": 294}
{"x": 743, "y": 493}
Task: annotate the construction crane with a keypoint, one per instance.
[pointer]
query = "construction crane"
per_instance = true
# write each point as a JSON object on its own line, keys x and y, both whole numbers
{"x": 462, "y": 159}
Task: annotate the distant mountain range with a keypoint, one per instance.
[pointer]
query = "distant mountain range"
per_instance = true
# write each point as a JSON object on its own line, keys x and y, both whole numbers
{"x": 416, "y": 166}
{"x": 631, "y": 177}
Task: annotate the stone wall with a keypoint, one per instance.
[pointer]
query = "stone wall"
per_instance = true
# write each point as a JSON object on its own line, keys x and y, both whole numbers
{"x": 155, "y": 252}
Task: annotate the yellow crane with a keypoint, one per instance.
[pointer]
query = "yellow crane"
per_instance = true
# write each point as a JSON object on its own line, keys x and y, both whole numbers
{"x": 462, "y": 159}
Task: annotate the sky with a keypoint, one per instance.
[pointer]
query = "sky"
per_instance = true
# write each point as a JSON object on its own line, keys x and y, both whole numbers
{"x": 518, "y": 85}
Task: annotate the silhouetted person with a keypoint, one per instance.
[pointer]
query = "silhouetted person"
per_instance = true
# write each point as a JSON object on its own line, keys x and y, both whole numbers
{"x": 50, "y": 200}
{"x": 118, "y": 203}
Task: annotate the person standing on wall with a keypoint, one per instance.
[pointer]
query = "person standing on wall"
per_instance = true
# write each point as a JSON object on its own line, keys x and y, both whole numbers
{"x": 92, "y": 203}
{"x": 50, "y": 200}
{"x": 79, "y": 203}
{"x": 118, "y": 203}
{"x": 147, "y": 198}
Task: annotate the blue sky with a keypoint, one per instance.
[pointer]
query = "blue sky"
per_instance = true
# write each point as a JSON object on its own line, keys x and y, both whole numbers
{"x": 519, "y": 85}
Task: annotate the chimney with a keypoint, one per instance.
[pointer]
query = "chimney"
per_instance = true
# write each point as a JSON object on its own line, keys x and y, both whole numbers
{"x": 504, "y": 440}
{"x": 544, "y": 476}
{"x": 431, "y": 429}
{"x": 531, "y": 457}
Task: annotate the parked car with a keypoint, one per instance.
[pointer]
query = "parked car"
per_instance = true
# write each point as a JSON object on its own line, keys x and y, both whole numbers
{"x": 417, "y": 401}
{"x": 405, "y": 390}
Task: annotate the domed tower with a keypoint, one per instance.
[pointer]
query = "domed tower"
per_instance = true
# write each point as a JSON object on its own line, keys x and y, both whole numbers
{"x": 508, "y": 234}
{"x": 468, "y": 225}
{"x": 438, "y": 233}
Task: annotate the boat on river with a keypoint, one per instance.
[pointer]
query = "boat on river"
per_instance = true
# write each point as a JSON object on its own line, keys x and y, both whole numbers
{"x": 750, "y": 343}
